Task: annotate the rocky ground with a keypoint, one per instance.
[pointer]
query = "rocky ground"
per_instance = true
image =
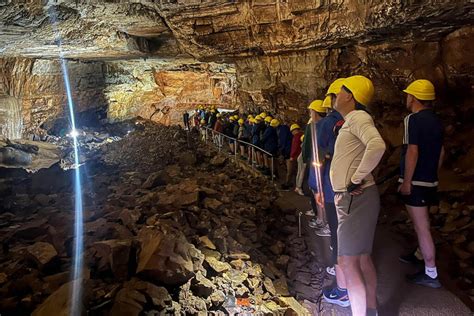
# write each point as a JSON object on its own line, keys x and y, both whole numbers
{"x": 170, "y": 228}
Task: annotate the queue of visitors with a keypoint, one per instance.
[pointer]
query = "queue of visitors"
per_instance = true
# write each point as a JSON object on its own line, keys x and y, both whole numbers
{"x": 337, "y": 150}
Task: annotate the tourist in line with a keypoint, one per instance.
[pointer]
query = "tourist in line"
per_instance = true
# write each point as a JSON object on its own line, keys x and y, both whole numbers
{"x": 317, "y": 112}
{"x": 285, "y": 138}
{"x": 295, "y": 151}
{"x": 328, "y": 129}
{"x": 186, "y": 120}
{"x": 358, "y": 150}
{"x": 270, "y": 143}
{"x": 421, "y": 158}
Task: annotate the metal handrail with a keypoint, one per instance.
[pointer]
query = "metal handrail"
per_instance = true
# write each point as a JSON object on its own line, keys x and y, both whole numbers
{"x": 236, "y": 140}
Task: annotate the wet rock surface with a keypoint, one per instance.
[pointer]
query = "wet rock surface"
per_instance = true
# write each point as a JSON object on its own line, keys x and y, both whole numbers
{"x": 159, "y": 236}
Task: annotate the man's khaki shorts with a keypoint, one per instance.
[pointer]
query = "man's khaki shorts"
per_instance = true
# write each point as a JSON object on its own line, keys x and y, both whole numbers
{"x": 357, "y": 216}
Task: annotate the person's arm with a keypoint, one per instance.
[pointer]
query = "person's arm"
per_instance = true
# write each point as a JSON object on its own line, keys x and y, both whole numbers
{"x": 368, "y": 134}
{"x": 411, "y": 155}
{"x": 411, "y": 158}
{"x": 441, "y": 158}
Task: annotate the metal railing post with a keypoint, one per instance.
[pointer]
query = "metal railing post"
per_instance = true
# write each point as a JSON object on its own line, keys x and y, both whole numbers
{"x": 253, "y": 157}
{"x": 272, "y": 168}
{"x": 236, "y": 145}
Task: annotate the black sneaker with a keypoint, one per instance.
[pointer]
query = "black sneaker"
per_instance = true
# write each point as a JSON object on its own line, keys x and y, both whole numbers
{"x": 421, "y": 278}
{"x": 411, "y": 258}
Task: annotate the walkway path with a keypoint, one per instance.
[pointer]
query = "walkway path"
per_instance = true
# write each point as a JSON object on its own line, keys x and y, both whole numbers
{"x": 396, "y": 296}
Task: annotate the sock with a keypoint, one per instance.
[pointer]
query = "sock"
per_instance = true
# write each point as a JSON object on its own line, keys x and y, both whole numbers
{"x": 341, "y": 289}
{"x": 431, "y": 272}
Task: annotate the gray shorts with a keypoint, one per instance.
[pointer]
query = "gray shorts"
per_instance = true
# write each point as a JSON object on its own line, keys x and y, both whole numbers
{"x": 357, "y": 217}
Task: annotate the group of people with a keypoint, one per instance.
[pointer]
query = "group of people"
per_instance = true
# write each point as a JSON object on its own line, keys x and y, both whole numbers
{"x": 341, "y": 147}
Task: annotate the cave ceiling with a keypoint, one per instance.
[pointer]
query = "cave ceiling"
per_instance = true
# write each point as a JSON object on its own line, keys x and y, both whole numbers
{"x": 216, "y": 30}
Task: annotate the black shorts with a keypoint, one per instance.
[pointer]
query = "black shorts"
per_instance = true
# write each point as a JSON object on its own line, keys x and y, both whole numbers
{"x": 421, "y": 196}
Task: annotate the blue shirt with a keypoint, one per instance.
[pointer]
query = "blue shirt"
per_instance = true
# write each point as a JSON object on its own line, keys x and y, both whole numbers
{"x": 284, "y": 140}
{"x": 326, "y": 130}
{"x": 425, "y": 130}
{"x": 270, "y": 140}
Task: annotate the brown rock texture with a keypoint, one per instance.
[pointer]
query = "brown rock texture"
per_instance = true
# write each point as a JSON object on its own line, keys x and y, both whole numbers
{"x": 37, "y": 86}
{"x": 161, "y": 90}
{"x": 285, "y": 54}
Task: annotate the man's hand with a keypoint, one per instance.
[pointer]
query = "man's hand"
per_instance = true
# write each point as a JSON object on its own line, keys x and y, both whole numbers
{"x": 405, "y": 188}
{"x": 355, "y": 189}
{"x": 319, "y": 199}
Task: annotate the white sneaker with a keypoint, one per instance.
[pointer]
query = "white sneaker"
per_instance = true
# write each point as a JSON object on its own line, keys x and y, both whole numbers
{"x": 331, "y": 270}
{"x": 310, "y": 212}
{"x": 299, "y": 191}
{"x": 323, "y": 232}
{"x": 316, "y": 223}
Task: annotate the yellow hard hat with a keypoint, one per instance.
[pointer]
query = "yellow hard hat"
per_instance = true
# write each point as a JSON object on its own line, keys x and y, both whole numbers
{"x": 327, "y": 102}
{"x": 336, "y": 86}
{"x": 236, "y": 117}
{"x": 317, "y": 105}
{"x": 268, "y": 119}
{"x": 263, "y": 114}
{"x": 421, "y": 89}
{"x": 231, "y": 118}
{"x": 218, "y": 115}
{"x": 361, "y": 88}
{"x": 241, "y": 121}
{"x": 294, "y": 126}
{"x": 274, "y": 122}
{"x": 302, "y": 138}
{"x": 252, "y": 120}
{"x": 203, "y": 121}
{"x": 258, "y": 118}
{"x": 249, "y": 116}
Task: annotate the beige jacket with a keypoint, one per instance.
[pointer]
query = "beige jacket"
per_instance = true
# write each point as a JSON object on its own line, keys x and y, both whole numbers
{"x": 358, "y": 150}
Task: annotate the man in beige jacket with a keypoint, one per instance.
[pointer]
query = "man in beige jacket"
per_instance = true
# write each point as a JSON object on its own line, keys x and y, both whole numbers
{"x": 358, "y": 150}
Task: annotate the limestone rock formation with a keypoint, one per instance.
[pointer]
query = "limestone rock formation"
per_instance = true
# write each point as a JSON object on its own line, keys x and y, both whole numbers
{"x": 285, "y": 54}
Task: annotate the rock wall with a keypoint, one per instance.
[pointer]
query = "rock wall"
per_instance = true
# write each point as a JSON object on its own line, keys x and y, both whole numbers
{"x": 33, "y": 94}
{"x": 37, "y": 85}
{"x": 286, "y": 83}
{"x": 162, "y": 90}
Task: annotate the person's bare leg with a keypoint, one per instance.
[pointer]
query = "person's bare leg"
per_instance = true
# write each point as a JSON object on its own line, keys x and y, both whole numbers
{"x": 340, "y": 279}
{"x": 421, "y": 222}
{"x": 289, "y": 171}
{"x": 321, "y": 214}
{"x": 370, "y": 277}
{"x": 355, "y": 284}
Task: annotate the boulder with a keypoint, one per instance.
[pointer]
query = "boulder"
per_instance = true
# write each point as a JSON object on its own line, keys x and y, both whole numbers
{"x": 216, "y": 265}
{"x": 129, "y": 218}
{"x": 155, "y": 179}
{"x": 113, "y": 255}
{"x": 167, "y": 257}
{"x": 206, "y": 242}
{"x": 60, "y": 302}
{"x": 42, "y": 253}
{"x": 135, "y": 294}
{"x": 201, "y": 286}
{"x": 218, "y": 161}
{"x": 293, "y": 305}
{"x": 212, "y": 204}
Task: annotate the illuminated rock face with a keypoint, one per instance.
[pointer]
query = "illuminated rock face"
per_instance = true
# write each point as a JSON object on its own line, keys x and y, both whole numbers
{"x": 163, "y": 90}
